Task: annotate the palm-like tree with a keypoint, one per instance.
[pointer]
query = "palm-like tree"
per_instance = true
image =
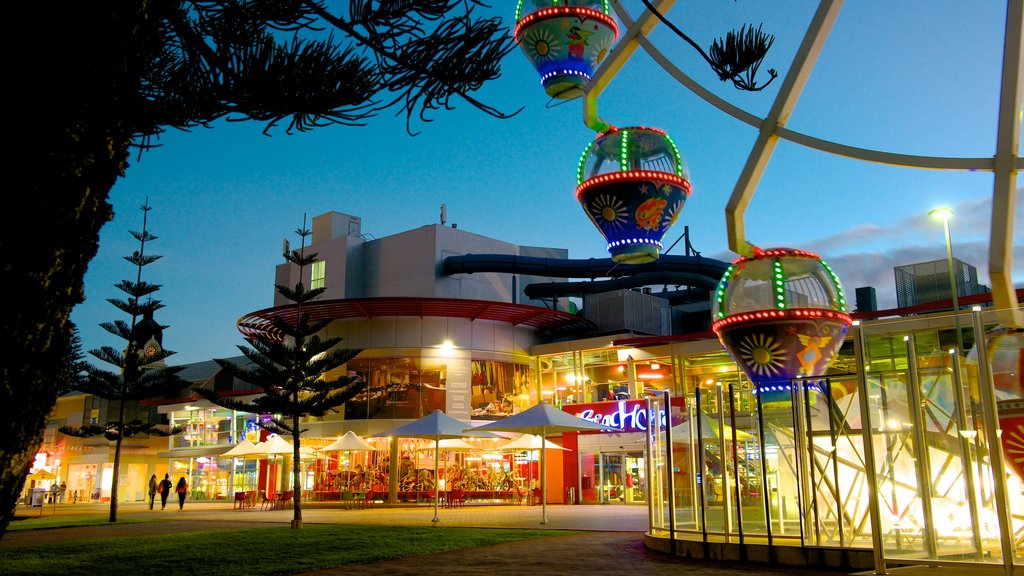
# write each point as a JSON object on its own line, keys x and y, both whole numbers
{"x": 141, "y": 373}
{"x": 293, "y": 370}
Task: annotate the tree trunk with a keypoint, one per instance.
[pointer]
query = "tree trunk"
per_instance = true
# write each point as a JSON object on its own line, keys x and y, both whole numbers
{"x": 72, "y": 130}
{"x": 117, "y": 461}
{"x": 296, "y": 475}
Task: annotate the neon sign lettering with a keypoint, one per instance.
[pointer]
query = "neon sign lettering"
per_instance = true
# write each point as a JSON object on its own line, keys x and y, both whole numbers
{"x": 625, "y": 416}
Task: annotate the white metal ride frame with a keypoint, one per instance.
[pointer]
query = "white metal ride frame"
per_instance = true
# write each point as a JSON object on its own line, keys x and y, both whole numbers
{"x": 1005, "y": 164}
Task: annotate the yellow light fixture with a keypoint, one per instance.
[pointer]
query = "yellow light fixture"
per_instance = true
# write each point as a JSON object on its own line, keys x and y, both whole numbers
{"x": 941, "y": 213}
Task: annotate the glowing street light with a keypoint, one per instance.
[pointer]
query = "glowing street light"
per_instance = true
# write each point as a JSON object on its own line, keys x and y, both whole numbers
{"x": 943, "y": 213}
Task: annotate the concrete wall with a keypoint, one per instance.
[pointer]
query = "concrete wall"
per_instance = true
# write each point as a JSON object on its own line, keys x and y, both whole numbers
{"x": 477, "y": 336}
{"x": 409, "y": 264}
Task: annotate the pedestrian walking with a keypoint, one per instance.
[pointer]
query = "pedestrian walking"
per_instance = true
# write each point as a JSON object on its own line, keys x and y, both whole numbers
{"x": 164, "y": 488}
{"x": 182, "y": 490}
{"x": 152, "y": 490}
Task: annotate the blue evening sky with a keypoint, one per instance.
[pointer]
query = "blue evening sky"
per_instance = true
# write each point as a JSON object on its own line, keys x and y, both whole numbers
{"x": 916, "y": 77}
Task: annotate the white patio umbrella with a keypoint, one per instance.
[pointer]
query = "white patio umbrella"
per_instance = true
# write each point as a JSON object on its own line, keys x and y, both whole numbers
{"x": 541, "y": 420}
{"x": 278, "y": 446}
{"x": 350, "y": 443}
{"x": 436, "y": 426}
{"x": 530, "y": 442}
{"x": 243, "y": 449}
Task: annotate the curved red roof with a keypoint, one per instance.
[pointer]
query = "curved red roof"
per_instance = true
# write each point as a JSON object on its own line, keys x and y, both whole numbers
{"x": 258, "y": 324}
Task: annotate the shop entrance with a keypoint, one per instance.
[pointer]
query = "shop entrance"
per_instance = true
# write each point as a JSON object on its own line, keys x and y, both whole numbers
{"x": 621, "y": 477}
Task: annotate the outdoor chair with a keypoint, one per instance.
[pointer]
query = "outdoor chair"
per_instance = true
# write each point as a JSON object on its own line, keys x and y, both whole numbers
{"x": 369, "y": 499}
{"x": 457, "y": 498}
{"x": 239, "y": 500}
{"x": 267, "y": 503}
{"x": 520, "y": 496}
{"x": 285, "y": 501}
{"x": 535, "y": 499}
{"x": 348, "y": 499}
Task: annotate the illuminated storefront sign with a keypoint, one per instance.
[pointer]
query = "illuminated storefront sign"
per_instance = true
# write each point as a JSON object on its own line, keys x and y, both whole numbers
{"x": 624, "y": 415}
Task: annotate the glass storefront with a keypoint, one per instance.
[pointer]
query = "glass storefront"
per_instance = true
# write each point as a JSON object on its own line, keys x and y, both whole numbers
{"x": 206, "y": 432}
{"x": 500, "y": 389}
{"x": 412, "y": 387}
{"x": 479, "y": 468}
{"x": 212, "y": 427}
{"x": 929, "y": 448}
{"x": 619, "y": 478}
{"x": 398, "y": 387}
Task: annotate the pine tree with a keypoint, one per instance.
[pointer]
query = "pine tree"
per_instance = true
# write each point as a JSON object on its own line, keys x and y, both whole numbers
{"x": 141, "y": 371}
{"x": 292, "y": 370}
{"x": 113, "y": 76}
{"x": 74, "y": 368}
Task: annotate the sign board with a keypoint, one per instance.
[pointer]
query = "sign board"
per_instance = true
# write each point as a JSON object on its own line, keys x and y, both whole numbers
{"x": 627, "y": 415}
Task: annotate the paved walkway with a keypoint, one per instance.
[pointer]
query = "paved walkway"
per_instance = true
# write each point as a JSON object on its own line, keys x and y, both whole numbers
{"x": 612, "y": 544}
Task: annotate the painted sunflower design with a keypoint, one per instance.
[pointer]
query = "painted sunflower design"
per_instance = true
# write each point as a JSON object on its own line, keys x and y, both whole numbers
{"x": 541, "y": 45}
{"x": 608, "y": 211}
{"x": 600, "y": 48}
{"x": 762, "y": 354}
{"x": 673, "y": 213}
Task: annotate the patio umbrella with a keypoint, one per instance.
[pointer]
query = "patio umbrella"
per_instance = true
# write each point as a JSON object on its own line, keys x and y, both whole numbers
{"x": 531, "y": 442}
{"x": 278, "y": 446}
{"x": 42, "y": 474}
{"x": 541, "y": 420}
{"x": 243, "y": 449}
{"x": 350, "y": 443}
{"x": 436, "y": 426}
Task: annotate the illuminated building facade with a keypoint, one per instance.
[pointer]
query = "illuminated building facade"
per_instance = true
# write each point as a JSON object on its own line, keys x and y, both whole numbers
{"x": 889, "y": 458}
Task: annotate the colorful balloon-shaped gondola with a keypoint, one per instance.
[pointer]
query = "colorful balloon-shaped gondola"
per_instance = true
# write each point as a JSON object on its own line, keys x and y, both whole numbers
{"x": 633, "y": 183}
{"x": 781, "y": 314}
{"x": 565, "y": 40}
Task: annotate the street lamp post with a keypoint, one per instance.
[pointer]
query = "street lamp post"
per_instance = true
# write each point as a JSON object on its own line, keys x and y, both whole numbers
{"x": 944, "y": 214}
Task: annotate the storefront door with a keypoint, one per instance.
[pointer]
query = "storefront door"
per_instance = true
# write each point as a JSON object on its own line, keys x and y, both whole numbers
{"x": 620, "y": 477}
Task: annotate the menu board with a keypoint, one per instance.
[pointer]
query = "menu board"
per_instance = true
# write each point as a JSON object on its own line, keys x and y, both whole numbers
{"x": 458, "y": 390}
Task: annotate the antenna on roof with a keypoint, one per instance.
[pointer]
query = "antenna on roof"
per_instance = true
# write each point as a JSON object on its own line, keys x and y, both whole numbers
{"x": 444, "y": 213}
{"x": 285, "y": 248}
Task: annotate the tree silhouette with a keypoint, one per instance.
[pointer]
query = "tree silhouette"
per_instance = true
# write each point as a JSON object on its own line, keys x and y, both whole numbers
{"x": 116, "y": 75}
{"x": 292, "y": 370}
{"x": 73, "y": 369}
{"x": 141, "y": 373}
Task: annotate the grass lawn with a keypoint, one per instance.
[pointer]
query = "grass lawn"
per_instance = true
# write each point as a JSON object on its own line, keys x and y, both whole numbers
{"x": 251, "y": 551}
{"x": 34, "y": 523}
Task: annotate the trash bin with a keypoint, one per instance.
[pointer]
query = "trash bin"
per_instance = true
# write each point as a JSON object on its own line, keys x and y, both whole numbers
{"x": 38, "y": 494}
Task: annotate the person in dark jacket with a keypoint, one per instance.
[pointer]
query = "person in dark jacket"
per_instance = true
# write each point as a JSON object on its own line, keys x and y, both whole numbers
{"x": 152, "y": 490}
{"x": 164, "y": 488}
{"x": 182, "y": 490}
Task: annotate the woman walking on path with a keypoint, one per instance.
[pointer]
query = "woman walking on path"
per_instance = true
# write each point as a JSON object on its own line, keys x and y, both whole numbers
{"x": 164, "y": 488}
{"x": 152, "y": 490}
{"x": 181, "y": 489}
